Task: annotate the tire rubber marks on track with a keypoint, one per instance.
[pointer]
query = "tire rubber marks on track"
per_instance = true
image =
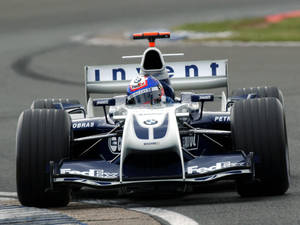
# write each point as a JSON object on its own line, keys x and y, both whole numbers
{"x": 97, "y": 40}
{"x": 22, "y": 67}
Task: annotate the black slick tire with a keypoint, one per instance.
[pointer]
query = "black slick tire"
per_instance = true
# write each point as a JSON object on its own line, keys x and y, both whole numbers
{"x": 50, "y": 103}
{"x": 43, "y": 135}
{"x": 258, "y": 126}
{"x": 261, "y": 92}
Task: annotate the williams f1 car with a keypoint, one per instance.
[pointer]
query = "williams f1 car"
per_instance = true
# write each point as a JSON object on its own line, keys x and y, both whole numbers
{"x": 62, "y": 145}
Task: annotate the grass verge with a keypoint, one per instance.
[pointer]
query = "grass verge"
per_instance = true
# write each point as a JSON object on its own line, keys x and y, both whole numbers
{"x": 257, "y": 29}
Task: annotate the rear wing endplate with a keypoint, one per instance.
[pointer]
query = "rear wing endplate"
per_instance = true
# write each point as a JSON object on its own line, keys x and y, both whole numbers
{"x": 191, "y": 75}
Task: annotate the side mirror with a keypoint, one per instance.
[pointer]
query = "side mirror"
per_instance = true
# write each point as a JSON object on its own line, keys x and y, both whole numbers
{"x": 188, "y": 97}
{"x": 202, "y": 97}
{"x": 104, "y": 102}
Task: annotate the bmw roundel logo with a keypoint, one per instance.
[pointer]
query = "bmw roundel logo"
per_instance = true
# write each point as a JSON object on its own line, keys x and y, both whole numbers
{"x": 150, "y": 122}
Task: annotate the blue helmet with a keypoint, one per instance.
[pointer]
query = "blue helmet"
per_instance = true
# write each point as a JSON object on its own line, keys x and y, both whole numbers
{"x": 145, "y": 90}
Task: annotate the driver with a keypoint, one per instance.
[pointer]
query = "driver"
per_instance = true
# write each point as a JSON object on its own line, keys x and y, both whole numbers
{"x": 145, "y": 90}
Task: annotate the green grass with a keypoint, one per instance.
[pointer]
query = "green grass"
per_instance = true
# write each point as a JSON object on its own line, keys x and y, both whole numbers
{"x": 249, "y": 29}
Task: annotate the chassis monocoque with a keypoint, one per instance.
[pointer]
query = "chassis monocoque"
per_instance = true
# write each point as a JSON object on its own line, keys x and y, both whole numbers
{"x": 62, "y": 145}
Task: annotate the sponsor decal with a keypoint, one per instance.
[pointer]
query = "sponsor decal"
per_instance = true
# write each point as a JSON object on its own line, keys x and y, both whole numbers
{"x": 150, "y": 122}
{"x": 143, "y": 91}
{"x": 218, "y": 166}
{"x": 189, "y": 142}
{"x": 102, "y": 102}
{"x": 138, "y": 83}
{"x": 205, "y": 97}
{"x": 83, "y": 125}
{"x": 115, "y": 144}
{"x": 179, "y": 69}
{"x": 150, "y": 114}
{"x": 222, "y": 119}
{"x": 91, "y": 172}
{"x": 151, "y": 143}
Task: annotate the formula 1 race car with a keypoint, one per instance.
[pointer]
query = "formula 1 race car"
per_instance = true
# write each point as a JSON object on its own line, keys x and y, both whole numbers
{"x": 62, "y": 145}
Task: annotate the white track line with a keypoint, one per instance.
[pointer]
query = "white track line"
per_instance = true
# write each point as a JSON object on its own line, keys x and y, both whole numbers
{"x": 8, "y": 194}
{"x": 171, "y": 217}
{"x": 17, "y": 214}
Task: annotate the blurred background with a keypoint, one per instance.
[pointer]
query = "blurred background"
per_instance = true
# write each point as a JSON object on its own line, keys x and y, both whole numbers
{"x": 44, "y": 45}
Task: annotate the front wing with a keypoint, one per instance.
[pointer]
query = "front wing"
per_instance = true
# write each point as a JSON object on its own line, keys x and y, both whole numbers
{"x": 105, "y": 174}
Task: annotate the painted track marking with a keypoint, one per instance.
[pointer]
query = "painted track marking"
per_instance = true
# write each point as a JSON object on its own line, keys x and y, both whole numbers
{"x": 171, "y": 217}
{"x": 8, "y": 194}
{"x": 16, "y": 214}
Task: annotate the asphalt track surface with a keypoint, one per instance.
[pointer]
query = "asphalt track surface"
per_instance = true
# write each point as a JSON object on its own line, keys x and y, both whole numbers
{"x": 37, "y": 60}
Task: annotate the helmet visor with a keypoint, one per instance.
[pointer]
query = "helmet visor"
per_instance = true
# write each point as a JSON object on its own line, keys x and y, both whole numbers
{"x": 146, "y": 96}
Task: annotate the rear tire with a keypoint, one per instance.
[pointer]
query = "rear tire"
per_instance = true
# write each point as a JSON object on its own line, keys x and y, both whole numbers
{"x": 43, "y": 135}
{"x": 50, "y": 103}
{"x": 261, "y": 92}
{"x": 258, "y": 126}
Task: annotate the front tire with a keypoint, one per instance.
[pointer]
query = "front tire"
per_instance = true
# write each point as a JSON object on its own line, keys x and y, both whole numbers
{"x": 261, "y": 92}
{"x": 43, "y": 135}
{"x": 50, "y": 103}
{"x": 258, "y": 126}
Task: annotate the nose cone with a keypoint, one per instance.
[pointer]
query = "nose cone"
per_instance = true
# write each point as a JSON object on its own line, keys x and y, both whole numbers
{"x": 151, "y": 130}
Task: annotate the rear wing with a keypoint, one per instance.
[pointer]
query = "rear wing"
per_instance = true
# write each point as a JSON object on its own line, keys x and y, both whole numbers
{"x": 183, "y": 76}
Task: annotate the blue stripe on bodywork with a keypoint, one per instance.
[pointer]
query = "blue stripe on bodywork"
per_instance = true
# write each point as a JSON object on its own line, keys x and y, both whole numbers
{"x": 140, "y": 132}
{"x": 160, "y": 132}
